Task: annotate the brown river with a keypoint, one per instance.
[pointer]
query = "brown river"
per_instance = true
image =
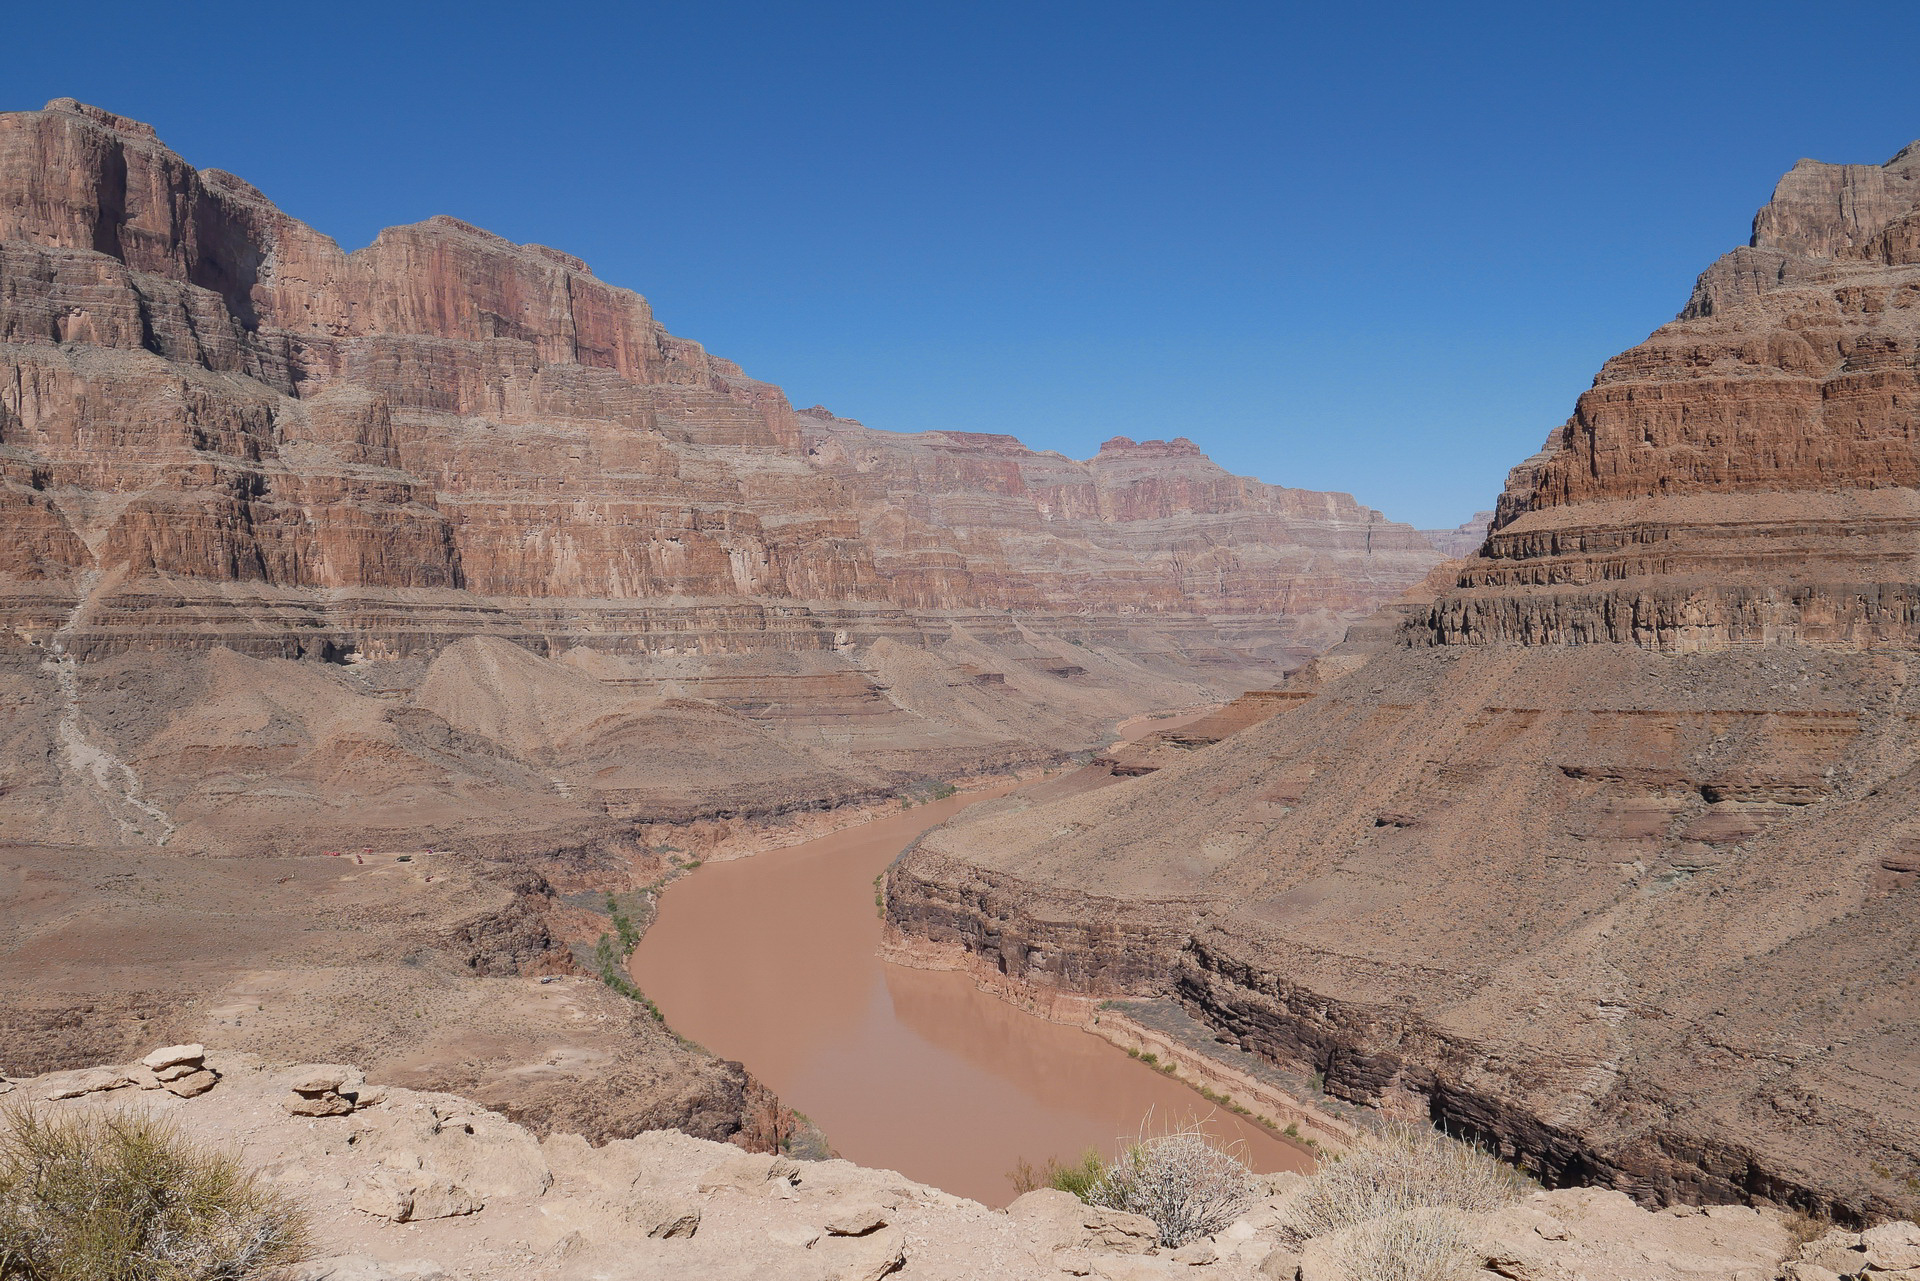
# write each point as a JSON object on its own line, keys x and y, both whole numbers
{"x": 772, "y": 960}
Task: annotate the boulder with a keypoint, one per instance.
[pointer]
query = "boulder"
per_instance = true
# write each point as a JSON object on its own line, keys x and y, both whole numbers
{"x": 1281, "y": 1265}
{"x": 193, "y": 1084}
{"x": 71, "y": 1085}
{"x": 1197, "y": 1253}
{"x": 667, "y": 1218}
{"x": 322, "y": 1089}
{"x": 317, "y": 1104}
{"x": 174, "y": 1056}
{"x": 1837, "y": 1251}
{"x": 407, "y": 1198}
{"x": 857, "y": 1220}
{"x": 1892, "y": 1246}
{"x": 1808, "y": 1272}
{"x": 866, "y": 1258}
{"x": 363, "y": 1093}
{"x": 320, "y": 1078}
{"x": 1061, "y": 1221}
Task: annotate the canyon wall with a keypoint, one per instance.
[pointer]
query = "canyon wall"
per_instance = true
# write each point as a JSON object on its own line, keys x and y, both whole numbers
{"x": 1600, "y": 847}
{"x": 225, "y": 443}
{"x": 330, "y": 559}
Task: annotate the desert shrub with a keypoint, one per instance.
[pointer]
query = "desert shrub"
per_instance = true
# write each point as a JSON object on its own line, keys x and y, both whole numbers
{"x": 1189, "y": 1186}
{"x": 610, "y": 962}
{"x": 125, "y": 1197}
{"x": 1080, "y": 1178}
{"x": 1186, "y": 1182}
{"x": 1183, "y": 1180}
{"x": 1420, "y": 1245}
{"x": 1803, "y": 1228}
{"x": 1402, "y": 1168}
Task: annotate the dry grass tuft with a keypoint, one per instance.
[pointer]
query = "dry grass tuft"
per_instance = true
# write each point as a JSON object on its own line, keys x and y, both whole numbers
{"x": 1420, "y": 1245}
{"x": 1803, "y": 1228}
{"x": 1080, "y": 1178}
{"x": 125, "y": 1197}
{"x": 1402, "y": 1168}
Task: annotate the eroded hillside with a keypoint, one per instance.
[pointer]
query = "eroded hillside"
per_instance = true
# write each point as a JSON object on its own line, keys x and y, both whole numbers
{"x": 1607, "y": 851}
{"x": 447, "y": 544}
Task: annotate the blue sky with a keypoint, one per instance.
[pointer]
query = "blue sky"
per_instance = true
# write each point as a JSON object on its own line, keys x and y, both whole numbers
{"x": 1370, "y": 247}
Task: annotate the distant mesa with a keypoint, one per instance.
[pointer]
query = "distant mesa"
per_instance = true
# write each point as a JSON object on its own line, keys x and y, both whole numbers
{"x": 1463, "y": 540}
{"x": 1178, "y": 447}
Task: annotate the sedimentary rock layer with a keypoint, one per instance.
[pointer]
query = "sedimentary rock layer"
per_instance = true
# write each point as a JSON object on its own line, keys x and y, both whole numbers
{"x": 1602, "y": 846}
{"x": 226, "y": 442}
{"x": 447, "y": 544}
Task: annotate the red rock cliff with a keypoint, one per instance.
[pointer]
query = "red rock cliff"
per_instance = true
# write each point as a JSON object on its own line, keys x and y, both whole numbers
{"x": 214, "y": 404}
{"x": 1604, "y": 849}
{"x": 1747, "y": 474}
{"x": 222, "y": 436}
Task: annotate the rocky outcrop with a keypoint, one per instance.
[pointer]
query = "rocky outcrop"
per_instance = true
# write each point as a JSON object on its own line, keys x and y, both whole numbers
{"x": 1745, "y": 476}
{"x": 441, "y": 972}
{"x": 1163, "y": 747}
{"x": 404, "y": 1185}
{"x": 1598, "y": 846}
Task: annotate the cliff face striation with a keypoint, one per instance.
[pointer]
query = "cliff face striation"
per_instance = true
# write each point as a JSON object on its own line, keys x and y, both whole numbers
{"x": 447, "y": 544}
{"x": 518, "y": 529}
{"x": 1603, "y": 846}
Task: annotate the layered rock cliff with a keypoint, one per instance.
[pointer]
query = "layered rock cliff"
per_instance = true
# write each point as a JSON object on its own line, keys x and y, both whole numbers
{"x": 447, "y": 544}
{"x": 224, "y": 442}
{"x": 1602, "y": 849}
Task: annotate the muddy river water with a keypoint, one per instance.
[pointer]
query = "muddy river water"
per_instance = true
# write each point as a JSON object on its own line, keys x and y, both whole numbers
{"x": 771, "y": 960}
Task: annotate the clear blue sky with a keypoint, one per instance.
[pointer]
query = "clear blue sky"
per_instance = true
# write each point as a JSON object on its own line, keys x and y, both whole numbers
{"x": 1377, "y": 248}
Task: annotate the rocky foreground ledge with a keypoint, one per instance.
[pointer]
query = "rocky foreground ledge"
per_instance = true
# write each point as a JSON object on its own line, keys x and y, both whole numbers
{"x": 406, "y": 1185}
